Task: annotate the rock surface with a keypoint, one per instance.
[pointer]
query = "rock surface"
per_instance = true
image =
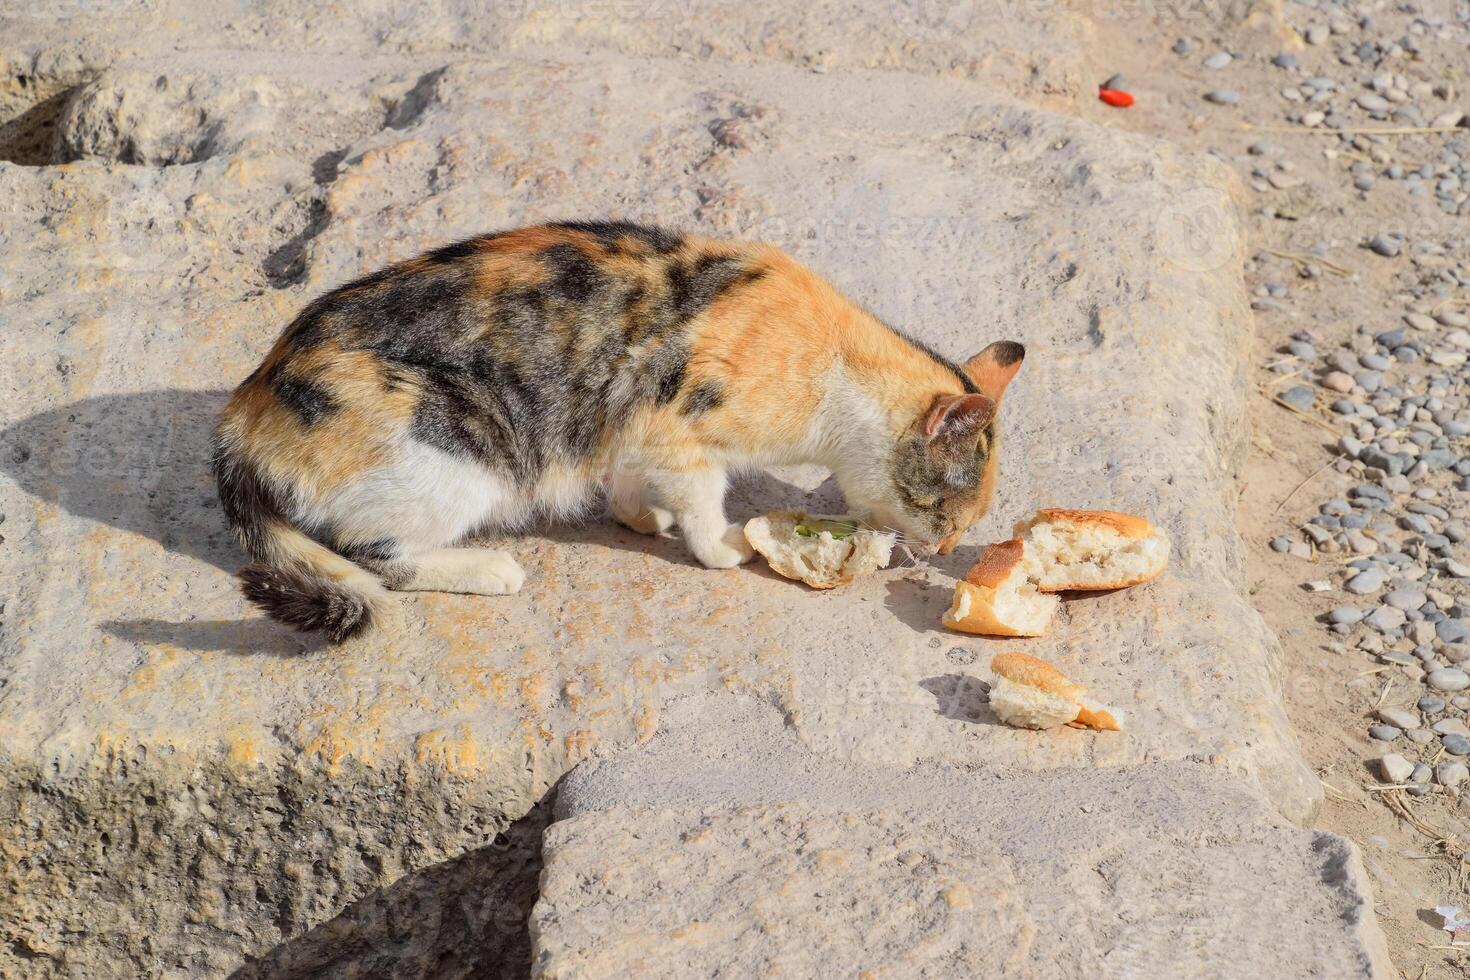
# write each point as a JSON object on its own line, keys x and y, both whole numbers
{"x": 683, "y": 858}
{"x": 187, "y": 785}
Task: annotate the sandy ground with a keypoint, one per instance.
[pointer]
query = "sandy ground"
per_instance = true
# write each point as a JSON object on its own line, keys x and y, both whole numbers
{"x": 1330, "y": 695}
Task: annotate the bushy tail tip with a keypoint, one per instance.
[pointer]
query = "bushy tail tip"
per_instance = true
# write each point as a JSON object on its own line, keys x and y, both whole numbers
{"x": 296, "y": 596}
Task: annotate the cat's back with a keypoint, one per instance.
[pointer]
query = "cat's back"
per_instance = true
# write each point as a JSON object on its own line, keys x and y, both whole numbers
{"x": 522, "y": 345}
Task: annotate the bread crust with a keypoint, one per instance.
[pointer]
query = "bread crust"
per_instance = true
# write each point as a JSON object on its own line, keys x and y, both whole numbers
{"x": 980, "y": 617}
{"x": 997, "y": 563}
{"x": 1128, "y": 525}
{"x": 1035, "y": 672}
{"x": 1021, "y": 668}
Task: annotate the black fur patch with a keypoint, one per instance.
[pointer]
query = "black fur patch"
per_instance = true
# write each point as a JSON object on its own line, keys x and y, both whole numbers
{"x": 309, "y": 400}
{"x": 383, "y": 550}
{"x": 573, "y": 278}
{"x": 694, "y": 286}
{"x": 249, "y": 502}
{"x": 311, "y": 604}
{"x": 670, "y": 381}
{"x": 704, "y": 397}
{"x": 959, "y": 372}
{"x": 1007, "y": 352}
{"x": 454, "y": 252}
{"x": 608, "y": 233}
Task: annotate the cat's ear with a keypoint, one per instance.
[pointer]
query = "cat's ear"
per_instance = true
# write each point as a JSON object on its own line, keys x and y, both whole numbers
{"x": 956, "y": 416}
{"x": 994, "y": 367}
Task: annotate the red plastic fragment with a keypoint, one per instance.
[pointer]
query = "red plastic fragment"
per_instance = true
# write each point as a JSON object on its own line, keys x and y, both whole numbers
{"x": 1115, "y": 98}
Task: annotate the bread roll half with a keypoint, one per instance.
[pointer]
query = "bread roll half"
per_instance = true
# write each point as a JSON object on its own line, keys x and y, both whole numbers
{"x": 1030, "y": 693}
{"x": 1091, "y": 550}
{"x": 823, "y": 552}
{"x": 997, "y": 599}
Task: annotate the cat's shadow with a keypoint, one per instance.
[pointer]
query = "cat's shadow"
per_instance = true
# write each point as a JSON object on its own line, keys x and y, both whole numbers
{"x": 961, "y": 697}
{"x": 140, "y": 463}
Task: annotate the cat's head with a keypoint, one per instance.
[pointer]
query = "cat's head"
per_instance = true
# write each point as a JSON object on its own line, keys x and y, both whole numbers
{"x": 942, "y": 469}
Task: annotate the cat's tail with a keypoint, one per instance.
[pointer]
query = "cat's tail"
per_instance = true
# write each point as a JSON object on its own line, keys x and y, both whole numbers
{"x": 313, "y": 588}
{"x": 294, "y": 579}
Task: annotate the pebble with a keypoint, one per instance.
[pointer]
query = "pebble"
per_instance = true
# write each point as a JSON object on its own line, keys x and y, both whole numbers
{"x": 1284, "y": 60}
{"x": 1400, "y": 717}
{"x": 1223, "y": 96}
{"x": 1448, "y": 679}
{"x": 1451, "y": 773}
{"x": 1404, "y": 599}
{"x": 1388, "y": 733}
{"x": 1372, "y": 103}
{"x": 1456, "y": 744}
{"x": 1431, "y": 704}
{"x": 1452, "y": 631}
{"x": 1337, "y": 381}
{"x": 1365, "y": 582}
{"x": 1219, "y": 60}
{"x": 1385, "y": 619}
{"x": 1451, "y": 726}
{"x": 1299, "y": 397}
{"x": 1395, "y": 768}
{"x": 1385, "y": 245}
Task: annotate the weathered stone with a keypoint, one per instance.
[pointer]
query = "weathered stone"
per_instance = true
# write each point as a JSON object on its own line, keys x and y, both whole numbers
{"x": 665, "y": 855}
{"x": 188, "y": 785}
{"x": 1395, "y": 768}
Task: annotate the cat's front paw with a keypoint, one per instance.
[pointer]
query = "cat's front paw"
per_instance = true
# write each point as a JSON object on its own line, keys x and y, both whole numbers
{"x": 726, "y": 551}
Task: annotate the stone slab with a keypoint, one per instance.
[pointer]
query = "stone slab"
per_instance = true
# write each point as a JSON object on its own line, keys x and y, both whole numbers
{"x": 725, "y": 848}
{"x": 163, "y": 747}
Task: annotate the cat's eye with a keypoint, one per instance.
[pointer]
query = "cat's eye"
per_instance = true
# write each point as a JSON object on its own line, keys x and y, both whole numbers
{"x": 938, "y": 503}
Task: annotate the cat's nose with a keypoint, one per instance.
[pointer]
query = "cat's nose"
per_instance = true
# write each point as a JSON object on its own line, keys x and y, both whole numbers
{"x": 946, "y": 545}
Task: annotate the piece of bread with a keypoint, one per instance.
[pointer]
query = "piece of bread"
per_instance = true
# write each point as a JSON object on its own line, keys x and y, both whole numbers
{"x": 1031, "y": 693}
{"x": 1091, "y": 550}
{"x": 823, "y": 552}
{"x": 996, "y": 598}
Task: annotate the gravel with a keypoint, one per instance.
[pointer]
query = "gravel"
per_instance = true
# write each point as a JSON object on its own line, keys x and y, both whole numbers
{"x": 1451, "y": 773}
{"x": 1448, "y": 679}
{"x": 1299, "y": 397}
{"x": 1399, "y": 717}
{"x": 1456, "y": 744}
{"x": 1385, "y": 245}
{"x": 1395, "y": 768}
{"x": 1364, "y": 583}
{"x": 1394, "y": 383}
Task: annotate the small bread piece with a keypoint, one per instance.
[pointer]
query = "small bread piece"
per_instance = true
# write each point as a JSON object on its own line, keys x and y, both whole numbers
{"x": 997, "y": 599}
{"x": 1091, "y": 550}
{"x": 820, "y": 551}
{"x": 1031, "y": 693}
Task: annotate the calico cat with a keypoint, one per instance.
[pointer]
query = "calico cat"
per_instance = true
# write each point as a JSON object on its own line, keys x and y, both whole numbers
{"x": 505, "y": 377}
